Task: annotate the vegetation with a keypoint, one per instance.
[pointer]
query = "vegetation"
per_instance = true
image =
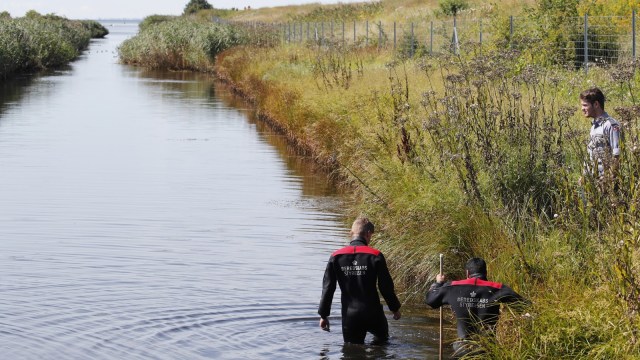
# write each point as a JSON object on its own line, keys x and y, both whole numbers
{"x": 179, "y": 45}
{"x": 37, "y": 42}
{"x": 476, "y": 154}
{"x": 196, "y": 5}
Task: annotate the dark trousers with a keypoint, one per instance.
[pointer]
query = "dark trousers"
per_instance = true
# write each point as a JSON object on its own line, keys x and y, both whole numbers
{"x": 356, "y": 324}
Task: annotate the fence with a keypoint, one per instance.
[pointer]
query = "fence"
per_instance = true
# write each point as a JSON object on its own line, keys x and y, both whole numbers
{"x": 582, "y": 41}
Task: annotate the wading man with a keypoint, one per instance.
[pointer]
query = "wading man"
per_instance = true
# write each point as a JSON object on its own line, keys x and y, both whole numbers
{"x": 605, "y": 134}
{"x": 359, "y": 270}
{"x": 476, "y": 303}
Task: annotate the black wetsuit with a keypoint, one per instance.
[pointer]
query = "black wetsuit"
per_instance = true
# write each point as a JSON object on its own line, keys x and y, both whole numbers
{"x": 358, "y": 268}
{"x": 475, "y": 301}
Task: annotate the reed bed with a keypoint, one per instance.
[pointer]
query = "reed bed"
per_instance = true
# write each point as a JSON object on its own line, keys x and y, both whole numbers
{"x": 42, "y": 42}
{"x": 179, "y": 44}
{"x": 475, "y": 155}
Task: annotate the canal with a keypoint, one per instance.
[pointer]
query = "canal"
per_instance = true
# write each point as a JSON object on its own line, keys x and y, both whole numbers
{"x": 149, "y": 215}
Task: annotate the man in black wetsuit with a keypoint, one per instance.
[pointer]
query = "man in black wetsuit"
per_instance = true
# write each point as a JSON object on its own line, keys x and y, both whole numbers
{"x": 475, "y": 302}
{"x": 359, "y": 270}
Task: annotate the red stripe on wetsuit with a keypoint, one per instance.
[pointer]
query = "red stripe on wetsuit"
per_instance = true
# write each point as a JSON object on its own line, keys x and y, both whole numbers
{"x": 356, "y": 250}
{"x": 477, "y": 282}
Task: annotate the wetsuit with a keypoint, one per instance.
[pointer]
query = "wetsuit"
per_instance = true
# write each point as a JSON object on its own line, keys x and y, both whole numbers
{"x": 358, "y": 268}
{"x": 475, "y": 302}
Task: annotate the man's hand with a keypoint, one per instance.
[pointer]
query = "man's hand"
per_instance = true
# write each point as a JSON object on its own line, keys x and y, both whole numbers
{"x": 324, "y": 324}
{"x": 397, "y": 315}
{"x": 440, "y": 278}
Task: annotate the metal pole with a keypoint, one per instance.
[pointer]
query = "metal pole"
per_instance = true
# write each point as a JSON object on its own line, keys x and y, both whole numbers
{"x": 440, "y": 347}
{"x": 367, "y": 34}
{"x": 394, "y": 35}
{"x": 633, "y": 32}
{"x": 511, "y": 31}
{"x": 343, "y": 41}
{"x": 379, "y": 35}
{"x": 431, "y": 40}
{"x": 480, "y": 33}
{"x": 413, "y": 40}
{"x": 586, "y": 43}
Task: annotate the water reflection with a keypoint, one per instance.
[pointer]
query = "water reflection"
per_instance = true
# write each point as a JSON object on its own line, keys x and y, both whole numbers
{"x": 148, "y": 215}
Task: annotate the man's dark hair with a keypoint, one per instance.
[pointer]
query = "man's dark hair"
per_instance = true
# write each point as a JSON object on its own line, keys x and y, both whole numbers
{"x": 592, "y": 95}
{"x": 476, "y": 266}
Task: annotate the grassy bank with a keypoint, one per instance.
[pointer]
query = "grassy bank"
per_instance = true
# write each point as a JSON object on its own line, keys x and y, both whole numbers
{"x": 475, "y": 155}
{"x": 37, "y": 42}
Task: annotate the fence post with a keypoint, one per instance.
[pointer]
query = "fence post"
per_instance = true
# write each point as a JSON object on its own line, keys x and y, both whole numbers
{"x": 307, "y": 31}
{"x": 511, "y": 31}
{"x": 354, "y": 33}
{"x": 586, "y": 43}
{"x": 413, "y": 41}
{"x": 394, "y": 35}
{"x": 322, "y": 33}
{"x": 431, "y": 40}
{"x": 343, "y": 42}
{"x": 480, "y": 34}
{"x": 633, "y": 32}
{"x": 379, "y": 35}
{"x": 366, "y": 42}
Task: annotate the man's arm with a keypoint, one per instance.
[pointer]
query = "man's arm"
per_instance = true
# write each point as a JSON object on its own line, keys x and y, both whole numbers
{"x": 435, "y": 294}
{"x": 328, "y": 288}
{"x": 509, "y": 296}
{"x": 385, "y": 284}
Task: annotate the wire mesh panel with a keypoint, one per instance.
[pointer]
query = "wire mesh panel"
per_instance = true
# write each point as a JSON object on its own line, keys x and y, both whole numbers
{"x": 575, "y": 41}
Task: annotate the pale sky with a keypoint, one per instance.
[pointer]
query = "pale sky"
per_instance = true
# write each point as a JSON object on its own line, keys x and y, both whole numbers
{"x": 130, "y": 9}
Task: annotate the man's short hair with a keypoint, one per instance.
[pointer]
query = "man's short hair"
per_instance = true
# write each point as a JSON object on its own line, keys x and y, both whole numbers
{"x": 361, "y": 226}
{"x": 476, "y": 266}
{"x": 592, "y": 95}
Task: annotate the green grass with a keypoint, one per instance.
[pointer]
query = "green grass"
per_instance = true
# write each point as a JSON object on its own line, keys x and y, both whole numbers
{"x": 473, "y": 155}
{"x": 42, "y": 42}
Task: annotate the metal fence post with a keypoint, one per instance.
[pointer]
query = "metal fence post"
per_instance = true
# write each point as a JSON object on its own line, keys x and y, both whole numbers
{"x": 379, "y": 35}
{"x": 511, "y": 31}
{"x": 633, "y": 32}
{"x": 366, "y": 42}
{"x": 322, "y": 33}
{"x": 343, "y": 42}
{"x": 394, "y": 35}
{"x": 413, "y": 41}
{"x": 431, "y": 40}
{"x": 586, "y": 43}
{"x": 480, "y": 34}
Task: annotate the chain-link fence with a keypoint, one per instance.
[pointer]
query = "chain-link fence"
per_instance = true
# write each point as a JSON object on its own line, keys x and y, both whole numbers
{"x": 580, "y": 41}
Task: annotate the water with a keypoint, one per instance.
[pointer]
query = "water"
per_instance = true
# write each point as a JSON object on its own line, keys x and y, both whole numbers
{"x": 148, "y": 215}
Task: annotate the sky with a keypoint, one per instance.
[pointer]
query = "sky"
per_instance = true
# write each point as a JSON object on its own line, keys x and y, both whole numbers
{"x": 130, "y": 9}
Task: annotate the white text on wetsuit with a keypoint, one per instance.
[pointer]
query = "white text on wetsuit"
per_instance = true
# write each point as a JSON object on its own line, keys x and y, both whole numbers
{"x": 354, "y": 270}
{"x": 470, "y": 302}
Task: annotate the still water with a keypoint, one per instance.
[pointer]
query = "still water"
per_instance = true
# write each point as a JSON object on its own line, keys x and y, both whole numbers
{"x": 148, "y": 215}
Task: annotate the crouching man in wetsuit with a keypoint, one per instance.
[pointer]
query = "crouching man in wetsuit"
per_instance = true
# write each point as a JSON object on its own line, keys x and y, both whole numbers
{"x": 475, "y": 302}
{"x": 358, "y": 268}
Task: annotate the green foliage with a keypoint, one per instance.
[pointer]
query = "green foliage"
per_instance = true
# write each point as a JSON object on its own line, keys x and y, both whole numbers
{"x": 4, "y": 15}
{"x": 179, "y": 44}
{"x": 193, "y": 6}
{"x": 97, "y": 30}
{"x": 341, "y": 12}
{"x": 38, "y": 42}
{"x": 154, "y": 19}
{"x": 453, "y": 7}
